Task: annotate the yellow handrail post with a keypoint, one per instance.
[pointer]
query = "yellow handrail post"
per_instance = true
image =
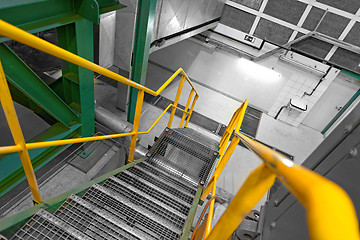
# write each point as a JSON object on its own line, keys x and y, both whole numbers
{"x": 139, "y": 103}
{"x": 10, "y": 113}
{"x": 211, "y": 210}
{"x": 181, "y": 84}
{"x": 241, "y": 115}
{"x": 191, "y": 110}
{"x": 186, "y": 108}
{"x": 256, "y": 185}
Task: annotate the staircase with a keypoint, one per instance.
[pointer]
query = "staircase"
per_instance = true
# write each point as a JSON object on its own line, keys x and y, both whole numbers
{"x": 150, "y": 200}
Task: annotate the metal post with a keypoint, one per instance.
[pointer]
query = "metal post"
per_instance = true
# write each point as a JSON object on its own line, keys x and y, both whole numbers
{"x": 145, "y": 18}
{"x": 186, "y": 108}
{"x": 10, "y": 113}
{"x": 256, "y": 185}
{"x": 181, "y": 84}
{"x": 211, "y": 210}
{"x": 139, "y": 103}
{"x": 191, "y": 110}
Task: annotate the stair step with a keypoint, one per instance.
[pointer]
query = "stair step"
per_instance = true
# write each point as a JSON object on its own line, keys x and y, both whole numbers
{"x": 198, "y": 137}
{"x": 187, "y": 156}
{"x": 146, "y": 201}
{"x": 175, "y": 180}
{"x": 44, "y": 225}
{"x": 130, "y": 213}
{"x": 95, "y": 222}
{"x": 159, "y": 182}
{"x": 155, "y": 192}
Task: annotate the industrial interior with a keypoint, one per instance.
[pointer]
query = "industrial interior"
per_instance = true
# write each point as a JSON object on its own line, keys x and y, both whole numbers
{"x": 166, "y": 119}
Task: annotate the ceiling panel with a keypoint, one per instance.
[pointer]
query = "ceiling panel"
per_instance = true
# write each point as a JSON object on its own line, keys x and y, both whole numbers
{"x": 273, "y": 32}
{"x": 350, "y": 6}
{"x": 347, "y": 59}
{"x": 333, "y": 25}
{"x": 287, "y": 10}
{"x": 237, "y": 19}
{"x": 313, "y": 18}
{"x": 254, "y": 4}
{"x": 313, "y": 47}
{"x": 353, "y": 36}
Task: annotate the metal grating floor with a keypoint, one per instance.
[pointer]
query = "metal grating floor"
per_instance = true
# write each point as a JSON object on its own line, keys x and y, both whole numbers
{"x": 150, "y": 200}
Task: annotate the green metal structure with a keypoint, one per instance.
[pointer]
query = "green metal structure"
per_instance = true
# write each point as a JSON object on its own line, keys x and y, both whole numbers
{"x": 67, "y": 104}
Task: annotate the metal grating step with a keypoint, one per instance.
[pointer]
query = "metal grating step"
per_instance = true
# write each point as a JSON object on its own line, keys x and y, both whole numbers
{"x": 44, "y": 225}
{"x": 94, "y": 222}
{"x": 157, "y": 181}
{"x": 186, "y": 157}
{"x": 155, "y": 192}
{"x": 198, "y": 137}
{"x": 130, "y": 213}
{"x": 146, "y": 201}
{"x": 167, "y": 177}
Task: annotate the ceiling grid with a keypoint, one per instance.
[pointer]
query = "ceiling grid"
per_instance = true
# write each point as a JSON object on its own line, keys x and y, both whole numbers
{"x": 283, "y": 21}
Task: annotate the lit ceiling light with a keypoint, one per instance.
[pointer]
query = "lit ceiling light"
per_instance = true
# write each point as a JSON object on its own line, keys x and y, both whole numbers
{"x": 256, "y": 70}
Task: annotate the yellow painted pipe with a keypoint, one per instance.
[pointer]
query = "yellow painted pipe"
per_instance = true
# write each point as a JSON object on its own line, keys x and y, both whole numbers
{"x": 181, "y": 84}
{"x": 13, "y": 122}
{"x": 255, "y": 186}
{"x": 330, "y": 211}
{"x": 186, "y": 108}
{"x": 191, "y": 110}
{"x": 139, "y": 102}
{"x": 211, "y": 209}
{"x": 10, "y": 149}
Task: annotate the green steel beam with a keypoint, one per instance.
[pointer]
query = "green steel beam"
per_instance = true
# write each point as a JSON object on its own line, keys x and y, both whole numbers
{"x": 145, "y": 17}
{"x": 20, "y": 98}
{"x": 39, "y": 15}
{"x": 78, "y": 82}
{"x": 7, "y": 224}
{"x": 11, "y": 170}
{"x": 24, "y": 79}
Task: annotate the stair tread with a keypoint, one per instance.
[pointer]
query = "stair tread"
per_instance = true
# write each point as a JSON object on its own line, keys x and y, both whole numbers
{"x": 170, "y": 176}
{"x": 143, "y": 198}
{"x": 95, "y": 222}
{"x": 199, "y": 137}
{"x": 131, "y": 213}
{"x": 44, "y": 225}
{"x": 157, "y": 181}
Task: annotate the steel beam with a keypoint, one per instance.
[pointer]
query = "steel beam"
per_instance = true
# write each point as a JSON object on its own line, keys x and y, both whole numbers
{"x": 145, "y": 17}
{"x": 39, "y": 15}
{"x": 24, "y": 79}
{"x": 78, "y": 82}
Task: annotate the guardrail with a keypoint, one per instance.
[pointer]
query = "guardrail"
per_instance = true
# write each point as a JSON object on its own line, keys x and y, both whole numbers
{"x": 12, "y": 32}
{"x": 330, "y": 211}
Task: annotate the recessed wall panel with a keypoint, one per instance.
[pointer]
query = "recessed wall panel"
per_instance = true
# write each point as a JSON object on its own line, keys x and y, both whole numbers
{"x": 313, "y": 47}
{"x": 333, "y": 25}
{"x": 353, "y": 36}
{"x": 273, "y": 32}
{"x": 237, "y": 19}
{"x": 313, "y": 18}
{"x": 350, "y": 6}
{"x": 254, "y": 4}
{"x": 287, "y": 10}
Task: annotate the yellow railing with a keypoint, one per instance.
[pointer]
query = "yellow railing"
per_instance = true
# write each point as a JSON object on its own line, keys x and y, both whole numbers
{"x": 330, "y": 211}
{"x": 22, "y": 147}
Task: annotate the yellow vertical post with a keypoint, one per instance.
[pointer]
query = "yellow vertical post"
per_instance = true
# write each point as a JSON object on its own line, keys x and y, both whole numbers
{"x": 241, "y": 115}
{"x": 139, "y": 103}
{"x": 225, "y": 158}
{"x": 211, "y": 210}
{"x": 181, "y": 84}
{"x": 186, "y": 108}
{"x": 256, "y": 185}
{"x": 10, "y": 113}
{"x": 191, "y": 110}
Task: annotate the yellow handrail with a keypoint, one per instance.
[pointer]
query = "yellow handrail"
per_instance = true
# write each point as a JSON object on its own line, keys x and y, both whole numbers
{"x": 24, "y": 37}
{"x": 325, "y": 202}
{"x": 17, "y": 34}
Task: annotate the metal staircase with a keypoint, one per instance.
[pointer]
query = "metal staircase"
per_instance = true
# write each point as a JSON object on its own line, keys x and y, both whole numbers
{"x": 150, "y": 200}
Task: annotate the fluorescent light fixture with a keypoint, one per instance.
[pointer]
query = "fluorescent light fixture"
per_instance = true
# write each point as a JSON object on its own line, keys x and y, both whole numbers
{"x": 258, "y": 71}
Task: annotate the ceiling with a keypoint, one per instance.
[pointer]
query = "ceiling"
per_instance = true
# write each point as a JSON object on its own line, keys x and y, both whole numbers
{"x": 282, "y": 21}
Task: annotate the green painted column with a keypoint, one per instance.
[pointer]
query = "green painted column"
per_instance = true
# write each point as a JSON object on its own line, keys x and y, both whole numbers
{"x": 78, "y": 82}
{"x": 145, "y": 17}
